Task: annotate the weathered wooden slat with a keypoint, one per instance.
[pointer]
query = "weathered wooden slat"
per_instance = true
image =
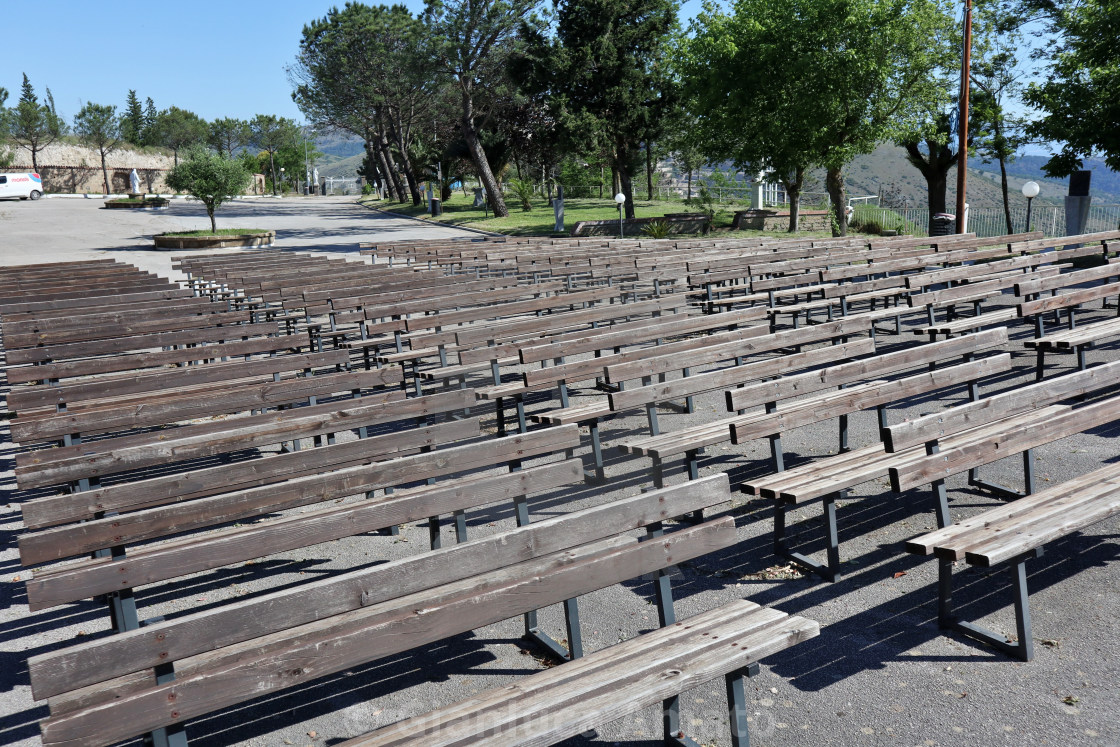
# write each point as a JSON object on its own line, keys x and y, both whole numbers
{"x": 106, "y": 658}
{"x": 352, "y": 473}
{"x": 239, "y": 544}
{"x": 137, "y": 361}
{"x": 713, "y": 354}
{"x": 880, "y": 365}
{"x": 28, "y": 398}
{"x": 1054, "y": 423}
{"x": 1024, "y": 399}
{"x": 365, "y": 635}
{"x": 1064, "y": 300}
{"x": 139, "y": 342}
{"x": 575, "y": 705}
{"x": 41, "y": 468}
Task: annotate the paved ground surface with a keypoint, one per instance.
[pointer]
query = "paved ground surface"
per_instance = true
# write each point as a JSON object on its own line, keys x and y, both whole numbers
{"x": 879, "y": 674}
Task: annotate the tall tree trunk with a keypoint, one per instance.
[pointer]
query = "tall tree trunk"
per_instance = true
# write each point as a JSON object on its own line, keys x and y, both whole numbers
{"x": 689, "y": 198}
{"x": 391, "y": 164}
{"x": 834, "y": 183}
{"x": 406, "y": 162}
{"x": 793, "y": 191}
{"x": 1003, "y": 186}
{"x": 271, "y": 167}
{"x": 383, "y": 169}
{"x": 34, "y": 160}
{"x": 934, "y": 166}
{"x": 649, "y": 172}
{"x": 105, "y": 174}
{"x": 482, "y": 166}
{"x": 625, "y": 179}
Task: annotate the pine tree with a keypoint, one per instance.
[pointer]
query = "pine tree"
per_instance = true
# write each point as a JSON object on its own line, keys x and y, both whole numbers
{"x": 132, "y": 123}
{"x": 149, "y": 134}
{"x": 34, "y": 126}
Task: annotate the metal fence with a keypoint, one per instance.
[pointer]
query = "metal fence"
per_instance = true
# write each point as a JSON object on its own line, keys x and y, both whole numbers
{"x": 991, "y": 221}
{"x": 338, "y": 186}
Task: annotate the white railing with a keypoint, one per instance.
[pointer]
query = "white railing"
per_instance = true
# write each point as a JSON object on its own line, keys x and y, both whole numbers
{"x": 991, "y": 221}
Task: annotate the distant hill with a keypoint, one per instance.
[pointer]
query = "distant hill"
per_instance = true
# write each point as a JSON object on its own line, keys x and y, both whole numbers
{"x": 1105, "y": 182}
{"x": 886, "y": 170}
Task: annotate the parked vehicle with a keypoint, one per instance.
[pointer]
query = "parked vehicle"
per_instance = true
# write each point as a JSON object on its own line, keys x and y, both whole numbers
{"x": 27, "y": 185}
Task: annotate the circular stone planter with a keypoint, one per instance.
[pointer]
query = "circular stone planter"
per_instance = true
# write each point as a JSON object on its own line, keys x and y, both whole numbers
{"x": 151, "y": 203}
{"x": 261, "y": 239}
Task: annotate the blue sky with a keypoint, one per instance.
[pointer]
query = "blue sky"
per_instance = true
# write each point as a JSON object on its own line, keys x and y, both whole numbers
{"x": 217, "y": 59}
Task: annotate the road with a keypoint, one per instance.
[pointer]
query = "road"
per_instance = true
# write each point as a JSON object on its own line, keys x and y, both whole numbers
{"x": 64, "y": 229}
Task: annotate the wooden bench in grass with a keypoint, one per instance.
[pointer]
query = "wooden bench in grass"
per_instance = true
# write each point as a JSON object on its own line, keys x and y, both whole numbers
{"x": 1014, "y": 532}
{"x": 229, "y": 344}
{"x": 842, "y": 387}
{"x": 829, "y": 478}
{"x": 116, "y": 687}
{"x": 1075, "y": 339}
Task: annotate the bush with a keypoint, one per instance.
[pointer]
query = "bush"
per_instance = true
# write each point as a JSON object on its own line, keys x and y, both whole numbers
{"x": 524, "y": 192}
{"x": 367, "y": 189}
{"x": 658, "y": 229}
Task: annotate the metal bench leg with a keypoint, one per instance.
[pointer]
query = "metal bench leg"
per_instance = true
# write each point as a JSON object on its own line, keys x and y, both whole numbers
{"x": 737, "y": 704}
{"x": 1002, "y": 490}
{"x": 599, "y": 475}
{"x": 571, "y": 610}
{"x": 1040, "y": 363}
{"x": 829, "y": 570}
{"x": 1023, "y": 648}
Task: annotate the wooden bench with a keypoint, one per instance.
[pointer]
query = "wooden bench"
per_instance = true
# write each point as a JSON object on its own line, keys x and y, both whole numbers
{"x": 1014, "y": 532}
{"x": 832, "y": 392}
{"x": 163, "y": 674}
{"x": 618, "y": 681}
{"x": 1075, "y": 339}
{"x": 829, "y": 478}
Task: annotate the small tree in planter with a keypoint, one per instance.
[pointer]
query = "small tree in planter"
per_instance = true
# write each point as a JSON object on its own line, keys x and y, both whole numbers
{"x": 210, "y": 178}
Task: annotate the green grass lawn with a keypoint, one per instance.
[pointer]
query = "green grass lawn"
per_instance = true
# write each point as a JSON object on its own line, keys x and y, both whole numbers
{"x": 539, "y": 221}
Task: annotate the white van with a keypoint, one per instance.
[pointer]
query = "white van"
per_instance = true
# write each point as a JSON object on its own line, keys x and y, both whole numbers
{"x": 24, "y": 186}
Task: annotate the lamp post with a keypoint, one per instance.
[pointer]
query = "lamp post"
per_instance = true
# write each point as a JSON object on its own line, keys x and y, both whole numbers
{"x": 621, "y": 200}
{"x": 1030, "y": 191}
{"x": 281, "y": 181}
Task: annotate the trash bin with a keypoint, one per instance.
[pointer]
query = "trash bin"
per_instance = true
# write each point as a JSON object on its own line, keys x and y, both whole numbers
{"x": 942, "y": 224}
{"x": 437, "y": 206}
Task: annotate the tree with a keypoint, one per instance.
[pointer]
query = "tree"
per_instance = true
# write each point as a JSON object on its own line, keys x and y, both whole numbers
{"x": 1078, "y": 97}
{"x": 271, "y": 133}
{"x": 996, "y": 77}
{"x": 845, "y": 74}
{"x": 210, "y": 178}
{"x": 97, "y": 125}
{"x": 604, "y": 69}
{"x": 179, "y": 129}
{"x": 934, "y": 154}
{"x": 132, "y": 120}
{"x": 471, "y": 42}
{"x": 34, "y": 126}
{"x": 368, "y": 71}
{"x": 149, "y": 134}
{"x": 6, "y": 153}
{"x": 228, "y": 134}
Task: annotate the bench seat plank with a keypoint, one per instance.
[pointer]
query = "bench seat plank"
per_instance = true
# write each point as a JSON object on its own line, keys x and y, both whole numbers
{"x": 570, "y": 699}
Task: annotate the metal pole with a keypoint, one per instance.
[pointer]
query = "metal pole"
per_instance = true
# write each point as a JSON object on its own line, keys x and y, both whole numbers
{"x": 962, "y": 119}
{"x": 620, "y": 232}
{"x": 1028, "y": 228}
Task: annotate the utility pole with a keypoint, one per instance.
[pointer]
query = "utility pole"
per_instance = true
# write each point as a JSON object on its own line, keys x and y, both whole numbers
{"x": 962, "y": 118}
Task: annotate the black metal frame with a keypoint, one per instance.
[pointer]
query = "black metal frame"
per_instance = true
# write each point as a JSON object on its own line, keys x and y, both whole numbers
{"x": 1023, "y": 648}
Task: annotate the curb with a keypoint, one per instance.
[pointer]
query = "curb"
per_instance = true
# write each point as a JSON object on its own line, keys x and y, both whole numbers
{"x": 432, "y": 222}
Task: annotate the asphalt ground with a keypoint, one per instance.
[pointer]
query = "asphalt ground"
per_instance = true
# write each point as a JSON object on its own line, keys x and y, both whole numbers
{"x": 880, "y": 673}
